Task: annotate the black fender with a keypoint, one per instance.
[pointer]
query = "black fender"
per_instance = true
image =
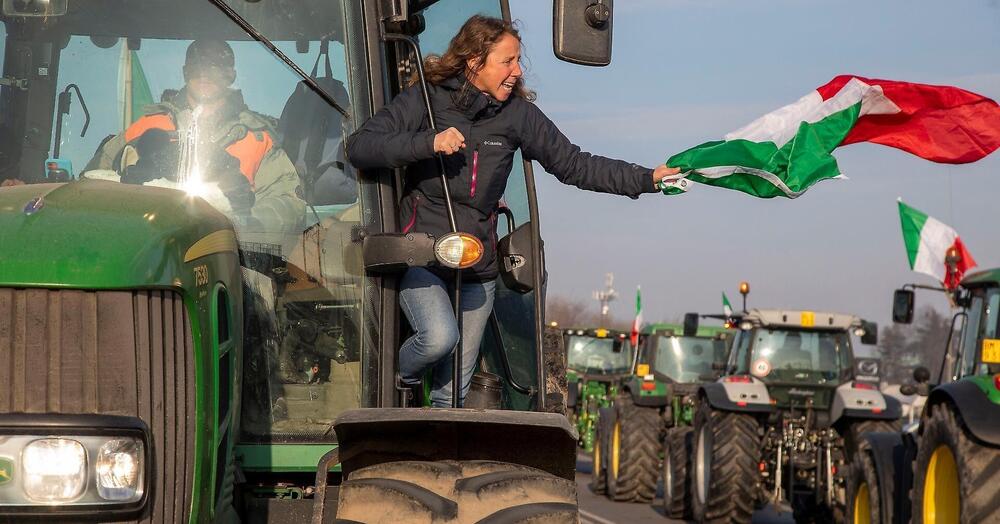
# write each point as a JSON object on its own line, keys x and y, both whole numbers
{"x": 633, "y": 388}
{"x": 369, "y": 436}
{"x": 980, "y": 416}
{"x": 892, "y": 455}
{"x": 715, "y": 394}
{"x": 893, "y": 411}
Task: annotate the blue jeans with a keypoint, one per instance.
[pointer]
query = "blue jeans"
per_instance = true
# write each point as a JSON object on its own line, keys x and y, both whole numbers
{"x": 426, "y": 302}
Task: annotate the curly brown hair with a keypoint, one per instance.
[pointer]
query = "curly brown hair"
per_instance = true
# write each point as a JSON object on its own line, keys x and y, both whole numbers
{"x": 474, "y": 40}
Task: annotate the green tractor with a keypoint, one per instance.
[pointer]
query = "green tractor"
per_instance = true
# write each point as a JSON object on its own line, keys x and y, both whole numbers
{"x": 170, "y": 362}
{"x": 786, "y": 418}
{"x": 653, "y": 410}
{"x": 944, "y": 466}
{"x": 596, "y": 361}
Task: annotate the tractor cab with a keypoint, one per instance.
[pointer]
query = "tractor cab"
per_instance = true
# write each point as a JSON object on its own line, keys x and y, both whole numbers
{"x": 670, "y": 354}
{"x": 802, "y": 356}
{"x": 592, "y": 353}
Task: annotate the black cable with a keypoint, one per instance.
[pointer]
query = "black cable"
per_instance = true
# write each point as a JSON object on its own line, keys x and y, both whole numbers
{"x": 252, "y": 31}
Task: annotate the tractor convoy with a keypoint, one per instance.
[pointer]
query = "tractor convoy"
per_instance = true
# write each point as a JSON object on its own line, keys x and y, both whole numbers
{"x": 170, "y": 356}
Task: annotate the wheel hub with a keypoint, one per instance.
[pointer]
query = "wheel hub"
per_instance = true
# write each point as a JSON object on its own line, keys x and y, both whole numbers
{"x": 862, "y": 511}
{"x": 941, "y": 497}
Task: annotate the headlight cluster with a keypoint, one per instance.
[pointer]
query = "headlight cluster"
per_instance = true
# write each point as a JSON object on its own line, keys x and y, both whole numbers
{"x": 72, "y": 470}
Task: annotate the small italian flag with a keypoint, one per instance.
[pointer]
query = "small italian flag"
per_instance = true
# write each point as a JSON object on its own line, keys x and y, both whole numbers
{"x": 928, "y": 244}
{"x": 637, "y": 322}
{"x": 727, "y": 308}
{"x": 783, "y": 153}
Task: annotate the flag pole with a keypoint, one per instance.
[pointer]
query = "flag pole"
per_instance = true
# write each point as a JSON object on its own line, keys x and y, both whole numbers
{"x": 126, "y": 66}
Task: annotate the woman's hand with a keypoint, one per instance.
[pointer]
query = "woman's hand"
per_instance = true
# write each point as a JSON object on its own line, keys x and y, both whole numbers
{"x": 448, "y": 141}
{"x": 663, "y": 171}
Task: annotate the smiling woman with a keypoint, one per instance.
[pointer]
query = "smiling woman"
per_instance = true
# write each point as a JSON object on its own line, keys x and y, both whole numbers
{"x": 480, "y": 102}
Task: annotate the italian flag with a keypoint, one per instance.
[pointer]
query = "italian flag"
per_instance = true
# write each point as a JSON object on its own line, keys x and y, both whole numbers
{"x": 727, "y": 308}
{"x": 637, "y": 322}
{"x": 783, "y": 153}
{"x": 928, "y": 243}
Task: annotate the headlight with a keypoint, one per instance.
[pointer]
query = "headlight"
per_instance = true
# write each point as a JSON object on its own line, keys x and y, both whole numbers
{"x": 119, "y": 470}
{"x": 76, "y": 467}
{"x": 55, "y": 470}
{"x": 458, "y": 250}
{"x": 746, "y": 325}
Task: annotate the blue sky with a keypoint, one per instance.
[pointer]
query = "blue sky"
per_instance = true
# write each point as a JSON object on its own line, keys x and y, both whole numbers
{"x": 688, "y": 71}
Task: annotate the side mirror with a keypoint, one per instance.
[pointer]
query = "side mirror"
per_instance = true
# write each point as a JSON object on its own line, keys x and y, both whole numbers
{"x": 870, "y": 338}
{"x": 867, "y": 369}
{"x": 921, "y": 375}
{"x": 902, "y": 306}
{"x": 581, "y": 31}
{"x": 690, "y": 324}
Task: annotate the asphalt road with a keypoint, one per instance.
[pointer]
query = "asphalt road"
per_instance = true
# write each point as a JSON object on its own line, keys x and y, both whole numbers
{"x": 598, "y": 509}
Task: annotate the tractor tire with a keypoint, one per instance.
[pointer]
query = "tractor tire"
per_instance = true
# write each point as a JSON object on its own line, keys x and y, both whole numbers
{"x": 598, "y": 473}
{"x": 864, "y": 501}
{"x": 456, "y": 492}
{"x": 677, "y": 448}
{"x": 633, "y": 460}
{"x": 956, "y": 477}
{"x": 853, "y": 441}
{"x": 724, "y": 472}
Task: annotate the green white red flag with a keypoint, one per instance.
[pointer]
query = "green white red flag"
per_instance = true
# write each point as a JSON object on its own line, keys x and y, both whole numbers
{"x": 928, "y": 244}
{"x": 637, "y": 322}
{"x": 727, "y": 308}
{"x": 783, "y": 153}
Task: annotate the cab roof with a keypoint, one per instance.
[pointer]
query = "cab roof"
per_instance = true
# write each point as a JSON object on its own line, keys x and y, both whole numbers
{"x": 678, "y": 330}
{"x": 797, "y": 318}
{"x": 982, "y": 278}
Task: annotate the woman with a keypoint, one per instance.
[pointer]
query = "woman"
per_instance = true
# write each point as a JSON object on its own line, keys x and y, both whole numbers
{"x": 486, "y": 114}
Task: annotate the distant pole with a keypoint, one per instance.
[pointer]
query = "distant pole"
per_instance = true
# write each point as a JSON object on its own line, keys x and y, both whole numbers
{"x": 607, "y": 295}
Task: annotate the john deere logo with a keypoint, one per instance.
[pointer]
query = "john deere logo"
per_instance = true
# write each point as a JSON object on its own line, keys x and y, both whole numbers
{"x": 6, "y": 470}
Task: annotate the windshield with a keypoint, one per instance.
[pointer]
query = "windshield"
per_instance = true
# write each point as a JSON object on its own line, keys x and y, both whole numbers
{"x": 687, "y": 359}
{"x": 172, "y": 93}
{"x": 800, "y": 356}
{"x": 599, "y": 355}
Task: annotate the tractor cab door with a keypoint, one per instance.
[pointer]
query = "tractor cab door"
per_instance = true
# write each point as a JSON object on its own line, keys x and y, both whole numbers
{"x": 512, "y": 339}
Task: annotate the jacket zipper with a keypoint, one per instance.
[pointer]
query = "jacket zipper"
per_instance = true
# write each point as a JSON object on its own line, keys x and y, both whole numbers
{"x": 475, "y": 171}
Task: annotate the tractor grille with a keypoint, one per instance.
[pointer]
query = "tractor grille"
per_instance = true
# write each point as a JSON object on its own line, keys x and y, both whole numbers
{"x": 107, "y": 352}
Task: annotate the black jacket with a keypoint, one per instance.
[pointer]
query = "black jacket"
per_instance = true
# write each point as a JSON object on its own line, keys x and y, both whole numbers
{"x": 399, "y": 135}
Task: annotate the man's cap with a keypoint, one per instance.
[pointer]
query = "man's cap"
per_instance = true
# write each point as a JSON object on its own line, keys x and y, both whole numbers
{"x": 209, "y": 53}
{"x": 212, "y": 59}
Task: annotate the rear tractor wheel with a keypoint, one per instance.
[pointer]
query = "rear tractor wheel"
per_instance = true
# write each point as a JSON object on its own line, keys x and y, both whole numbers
{"x": 456, "y": 492}
{"x": 598, "y": 474}
{"x": 956, "y": 478}
{"x": 724, "y": 464}
{"x": 677, "y": 448}
{"x": 633, "y": 454}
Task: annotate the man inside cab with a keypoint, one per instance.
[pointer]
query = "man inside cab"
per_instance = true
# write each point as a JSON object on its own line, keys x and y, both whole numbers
{"x": 207, "y": 124}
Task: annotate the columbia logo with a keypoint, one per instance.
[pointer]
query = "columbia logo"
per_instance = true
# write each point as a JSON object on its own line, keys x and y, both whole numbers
{"x": 496, "y": 143}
